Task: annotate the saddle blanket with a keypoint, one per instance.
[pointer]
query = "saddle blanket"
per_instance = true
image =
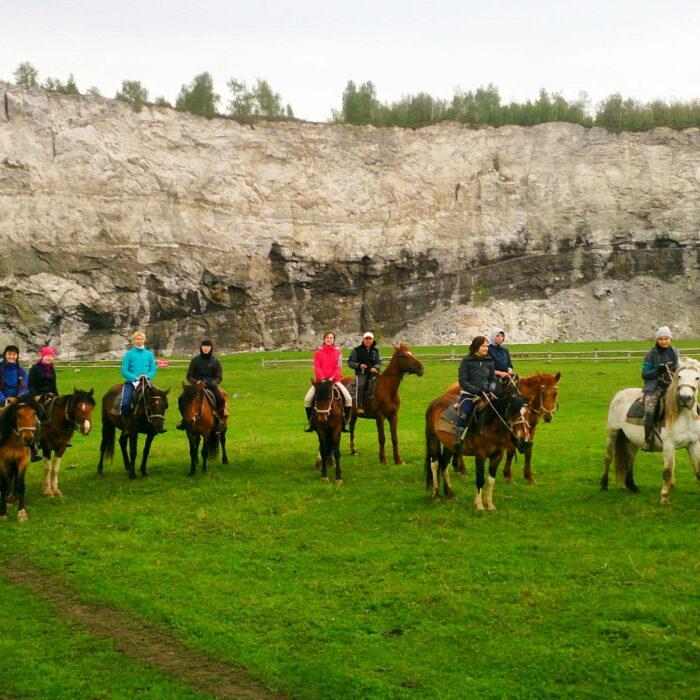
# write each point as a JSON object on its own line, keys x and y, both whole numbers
{"x": 635, "y": 414}
{"x": 447, "y": 422}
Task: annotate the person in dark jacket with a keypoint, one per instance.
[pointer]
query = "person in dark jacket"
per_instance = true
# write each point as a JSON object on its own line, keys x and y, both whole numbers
{"x": 499, "y": 353}
{"x": 205, "y": 367}
{"x": 42, "y": 375}
{"x": 477, "y": 376}
{"x": 13, "y": 377}
{"x": 658, "y": 364}
{"x": 366, "y": 361}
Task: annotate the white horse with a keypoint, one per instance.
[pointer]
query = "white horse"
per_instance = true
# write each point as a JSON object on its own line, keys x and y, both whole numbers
{"x": 681, "y": 429}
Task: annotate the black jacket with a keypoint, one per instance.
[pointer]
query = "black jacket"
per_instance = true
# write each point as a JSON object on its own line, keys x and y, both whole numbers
{"x": 40, "y": 384}
{"x": 365, "y": 356}
{"x": 206, "y": 368}
{"x": 654, "y": 358}
{"x": 477, "y": 374}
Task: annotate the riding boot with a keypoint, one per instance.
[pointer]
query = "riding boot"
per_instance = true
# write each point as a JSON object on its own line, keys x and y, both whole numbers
{"x": 457, "y": 447}
{"x": 181, "y": 424}
{"x": 479, "y": 423}
{"x": 650, "y": 404}
{"x": 308, "y": 428}
{"x": 347, "y": 412}
{"x": 35, "y": 445}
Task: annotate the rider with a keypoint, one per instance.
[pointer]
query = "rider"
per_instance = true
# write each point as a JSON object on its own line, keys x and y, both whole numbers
{"x": 499, "y": 353}
{"x": 659, "y": 362}
{"x": 366, "y": 361}
{"x": 476, "y": 377}
{"x": 42, "y": 375}
{"x": 205, "y": 367}
{"x": 327, "y": 364}
{"x": 136, "y": 363}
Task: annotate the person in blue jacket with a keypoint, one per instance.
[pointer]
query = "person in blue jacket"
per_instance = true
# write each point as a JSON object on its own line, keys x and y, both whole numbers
{"x": 658, "y": 365}
{"x": 13, "y": 377}
{"x": 137, "y": 362}
{"x": 499, "y": 353}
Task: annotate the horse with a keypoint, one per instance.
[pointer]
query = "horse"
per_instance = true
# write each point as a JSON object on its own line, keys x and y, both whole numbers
{"x": 327, "y": 420}
{"x": 385, "y": 403}
{"x": 68, "y": 413}
{"x": 497, "y": 433}
{"x": 148, "y": 417}
{"x": 200, "y": 421}
{"x": 681, "y": 429}
{"x": 17, "y": 428}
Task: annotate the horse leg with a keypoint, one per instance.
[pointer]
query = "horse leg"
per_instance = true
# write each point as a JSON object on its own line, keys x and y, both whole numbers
{"x": 336, "y": 457}
{"x": 510, "y": 452}
{"x": 222, "y": 442}
{"x": 494, "y": 461}
{"x": 19, "y": 489}
{"x": 3, "y": 496}
{"x": 479, "y": 462}
{"x": 192, "y": 438}
{"x": 393, "y": 425}
{"x": 527, "y": 469}
{"x": 444, "y": 465}
{"x": 123, "y": 441}
{"x": 144, "y": 455}
{"x": 46, "y": 486}
{"x": 323, "y": 449}
{"x": 205, "y": 452}
{"x": 353, "y": 420}
{"x": 609, "y": 452}
{"x": 694, "y": 454}
{"x": 381, "y": 437}
{"x": 669, "y": 474}
{"x": 55, "y": 468}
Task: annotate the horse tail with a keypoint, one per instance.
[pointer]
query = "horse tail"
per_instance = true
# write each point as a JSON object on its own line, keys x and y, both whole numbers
{"x": 432, "y": 444}
{"x": 108, "y": 433}
{"x": 622, "y": 461}
{"x": 213, "y": 444}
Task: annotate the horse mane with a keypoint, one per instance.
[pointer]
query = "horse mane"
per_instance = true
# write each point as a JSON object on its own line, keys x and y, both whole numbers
{"x": 189, "y": 392}
{"x": 401, "y": 348}
{"x": 323, "y": 390}
{"x": 9, "y": 417}
{"x": 672, "y": 410}
{"x": 79, "y": 395}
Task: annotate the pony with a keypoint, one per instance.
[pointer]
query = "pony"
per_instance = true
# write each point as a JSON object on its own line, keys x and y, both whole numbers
{"x": 68, "y": 413}
{"x": 148, "y": 417}
{"x": 501, "y": 424}
{"x": 17, "y": 428}
{"x": 200, "y": 425}
{"x": 681, "y": 429}
{"x": 327, "y": 420}
{"x": 385, "y": 403}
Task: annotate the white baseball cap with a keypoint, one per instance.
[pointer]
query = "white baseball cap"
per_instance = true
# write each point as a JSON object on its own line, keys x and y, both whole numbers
{"x": 368, "y": 334}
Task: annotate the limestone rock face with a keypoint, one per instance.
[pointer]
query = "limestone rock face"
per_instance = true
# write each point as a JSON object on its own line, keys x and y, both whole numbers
{"x": 264, "y": 235}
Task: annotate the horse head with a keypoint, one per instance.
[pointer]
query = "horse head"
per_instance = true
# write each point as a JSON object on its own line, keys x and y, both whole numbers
{"x": 20, "y": 419}
{"x": 79, "y": 409}
{"x": 408, "y": 363}
{"x": 686, "y": 381}
{"x": 517, "y": 414}
{"x": 155, "y": 404}
{"x": 323, "y": 399}
{"x": 191, "y": 402}
{"x": 542, "y": 394}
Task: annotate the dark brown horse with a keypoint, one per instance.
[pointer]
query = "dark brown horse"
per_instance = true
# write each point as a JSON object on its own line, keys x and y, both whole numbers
{"x": 147, "y": 417}
{"x": 18, "y": 424}
{"x": 385, "y": 403}
{"x": 69, "y": 413}
{"x": 502, "y": 422}
{"x": 541, "y": 393}
{"x": 327, "y": 420}
{"x": 201, "y": 425}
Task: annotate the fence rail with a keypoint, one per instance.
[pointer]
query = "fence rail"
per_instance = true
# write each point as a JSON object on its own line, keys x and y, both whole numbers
{"x": 541, "y": 355}
{"x": 80, "y": 364}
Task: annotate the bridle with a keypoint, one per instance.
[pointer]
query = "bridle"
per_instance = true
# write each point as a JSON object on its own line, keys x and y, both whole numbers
{"x": 335, "y": 396}
{"x": 547, "y": 412}
{"x": 521, "y": 420}
{"x": 156, "y": 399}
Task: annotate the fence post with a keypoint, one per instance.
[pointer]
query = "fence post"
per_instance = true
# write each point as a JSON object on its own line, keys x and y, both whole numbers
{"x": 549, "y": 357}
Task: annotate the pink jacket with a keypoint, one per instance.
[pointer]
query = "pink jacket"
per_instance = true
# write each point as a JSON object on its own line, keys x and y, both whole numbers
{"x": 327, "y": 363}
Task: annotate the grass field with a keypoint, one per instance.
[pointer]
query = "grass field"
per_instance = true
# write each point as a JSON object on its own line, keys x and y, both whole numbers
{"x": 369, "y": 589}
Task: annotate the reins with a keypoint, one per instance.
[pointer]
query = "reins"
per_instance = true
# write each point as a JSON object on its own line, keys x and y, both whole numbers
{"x": 520, "y": 420}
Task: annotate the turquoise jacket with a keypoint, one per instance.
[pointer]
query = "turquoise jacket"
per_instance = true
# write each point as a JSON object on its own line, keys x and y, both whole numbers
{"x": 136, "y": 362}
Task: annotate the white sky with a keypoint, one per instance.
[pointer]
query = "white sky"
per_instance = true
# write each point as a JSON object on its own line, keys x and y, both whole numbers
{"x": 308, "y": 50}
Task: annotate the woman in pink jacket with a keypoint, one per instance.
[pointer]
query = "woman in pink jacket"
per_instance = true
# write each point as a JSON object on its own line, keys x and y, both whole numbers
{"x": 327, "y": 364}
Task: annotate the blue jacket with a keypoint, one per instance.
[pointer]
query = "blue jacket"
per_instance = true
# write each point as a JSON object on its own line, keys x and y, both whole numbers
{"x": 477, "y": 374}
{"x": 655, "y": 357}
{"x": 13, "y": 379}
{"x": 138, "y": 361}
{"x": 501, "y": 357}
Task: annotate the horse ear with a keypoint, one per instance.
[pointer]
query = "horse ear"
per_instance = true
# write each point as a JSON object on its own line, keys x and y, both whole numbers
{"x": 184, "y": 385}
{"x": 92, "y": 391}
{"x": 165, "y": 393}
{"x": 557, "y": 376}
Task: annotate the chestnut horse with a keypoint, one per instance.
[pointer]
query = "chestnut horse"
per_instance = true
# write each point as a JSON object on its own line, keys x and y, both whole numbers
{"x": 148, "y": 417}
{"x": 541, "y": 393}
{"x": 201, "y": 425}
{"x": 503, "y": 422}
{"x": 69, "y": 413}
{"x": 327, "y": 420}
{"x": 385, "y": 403}
{"x": 17, "y": 428}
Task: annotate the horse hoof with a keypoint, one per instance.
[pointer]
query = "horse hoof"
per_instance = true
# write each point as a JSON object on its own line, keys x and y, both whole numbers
{"x": 46, "y": 491}
{"x": 399, "y": 464}
{"x": 22, "y": 516}
{"x": 510, "y": 480}
{"x": 450, "y": 494}
{"x": 338, "y": 482}
{"x": 325, "y": 479}
{"x": 99, "y": 475}
{"x": 665, "y": 501}
{"x": 531, "y": 482}
{"x": 491, "y": 508}
{"x": 436, "y": 494}
{"x": 57, "y": 492}
{"x": 224, "y": 461}
{"x": 354, "y": 453}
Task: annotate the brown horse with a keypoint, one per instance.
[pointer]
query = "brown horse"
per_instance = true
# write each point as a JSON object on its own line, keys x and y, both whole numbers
{"x": 385, "y": 403}
{"x": 148, "y": 417}
{"x": 69, "y": 413}
{"x": 502, "y": 422}
{"x": 541, "y": 393}
{"x": 17, "y": 428}
{"x": 201, "y": 425}
{"x": 327, "y": 420}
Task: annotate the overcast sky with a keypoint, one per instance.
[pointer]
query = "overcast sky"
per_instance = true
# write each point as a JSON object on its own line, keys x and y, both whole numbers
{"x": 308, "y": 50}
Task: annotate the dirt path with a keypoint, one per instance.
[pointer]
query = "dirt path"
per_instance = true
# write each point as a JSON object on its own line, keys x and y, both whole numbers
{"x": 133, "y": 636}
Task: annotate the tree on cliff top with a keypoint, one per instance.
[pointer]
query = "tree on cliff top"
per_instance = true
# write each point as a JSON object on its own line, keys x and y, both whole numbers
{"x": 198, "y": 97}
{"x": 26, "y": 75}
{"x": 56, "y": 85}
{"x": 134, "y": 93}
{"x": 258, "y": 101}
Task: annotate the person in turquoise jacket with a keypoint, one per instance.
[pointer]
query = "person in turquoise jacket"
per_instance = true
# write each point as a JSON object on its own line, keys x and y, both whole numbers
{"x": 137, "y": 362}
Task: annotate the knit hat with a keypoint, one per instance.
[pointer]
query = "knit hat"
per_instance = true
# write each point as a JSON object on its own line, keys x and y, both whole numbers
{"x": 493, "y": 333}
{"x": 10, "y": 348}
{"x": 663, "y": 332}
{"x": 368, "y": 334}
{"x": 48, "y": 350}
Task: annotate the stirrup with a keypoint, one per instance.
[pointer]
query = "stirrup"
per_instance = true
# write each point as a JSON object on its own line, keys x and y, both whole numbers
{"x": 648, "y": 446}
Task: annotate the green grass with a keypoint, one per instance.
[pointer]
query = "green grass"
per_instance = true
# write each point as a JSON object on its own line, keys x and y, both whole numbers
{"x": 371, "y": 589}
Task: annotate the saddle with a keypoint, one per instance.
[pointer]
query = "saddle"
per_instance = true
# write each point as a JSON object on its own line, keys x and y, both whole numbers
{"x": 635, "y": 414}
{"x": 47, "y": 402}
{"x": 116, "y": 404}
{"x": 447, "y": 422}
{"x": 370, "y": 386}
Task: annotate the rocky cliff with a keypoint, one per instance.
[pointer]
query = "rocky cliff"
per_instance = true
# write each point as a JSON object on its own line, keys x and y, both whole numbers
{"x": 262, "y": 236}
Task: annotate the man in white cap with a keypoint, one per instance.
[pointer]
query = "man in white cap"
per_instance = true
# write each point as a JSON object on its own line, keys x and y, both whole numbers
{"x": 366, "y": 362}
{"x": 659, "y": 362}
